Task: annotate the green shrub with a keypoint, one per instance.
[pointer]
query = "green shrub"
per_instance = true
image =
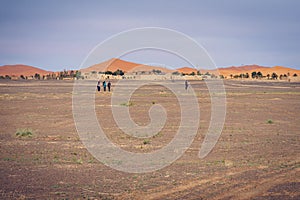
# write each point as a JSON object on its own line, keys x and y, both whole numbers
{"x": 127, "y": 104}
{"x": 24, "y": 132}
{"x": 146, "y": 141}
{"x": 78, "y": 161}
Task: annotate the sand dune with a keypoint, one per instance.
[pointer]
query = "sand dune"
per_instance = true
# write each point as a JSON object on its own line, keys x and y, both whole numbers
{"x": 187, "y": 70}
{"x": 226, "y": 72}
{"x": 237, "y": 70}
{"x": 126, "y": 66}
{"x": 264, "y": 70}
{"x": 18, "y": 70}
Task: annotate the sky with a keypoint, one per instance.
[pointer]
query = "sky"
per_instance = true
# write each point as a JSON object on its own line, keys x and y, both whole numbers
{"x": 56, "y": 35}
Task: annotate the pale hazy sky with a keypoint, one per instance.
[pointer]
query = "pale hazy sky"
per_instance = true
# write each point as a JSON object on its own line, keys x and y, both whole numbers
{"x": 58, "y": 34}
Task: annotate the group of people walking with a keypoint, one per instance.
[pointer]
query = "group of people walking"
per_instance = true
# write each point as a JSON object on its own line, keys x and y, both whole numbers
{"x": 108, "y": 85}
{"x": 104, "y": 85}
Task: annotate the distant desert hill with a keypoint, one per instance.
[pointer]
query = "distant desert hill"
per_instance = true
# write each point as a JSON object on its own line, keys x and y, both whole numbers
{"x": 126, "y": 66}
{"x": 244, "y": 67}
{"x": 279, "y": 70}
{"x": 18, "y": 70}
{"x": 227, "y": 71}
{"x": 186, "y": 70}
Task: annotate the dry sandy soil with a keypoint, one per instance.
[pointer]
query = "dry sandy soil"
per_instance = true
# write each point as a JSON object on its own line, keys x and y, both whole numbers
{"x": 256, "y": 157}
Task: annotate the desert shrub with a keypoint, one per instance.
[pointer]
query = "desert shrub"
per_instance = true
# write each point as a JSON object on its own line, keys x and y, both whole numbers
{"x": 269, "y": 121}
{"x": 127, "y": 104}
{"x": 25, "y": 132}
{"x": 146, "y": 141}
{"x": 78, "y": 161}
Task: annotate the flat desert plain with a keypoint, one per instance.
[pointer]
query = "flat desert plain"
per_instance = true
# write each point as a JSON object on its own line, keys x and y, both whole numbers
{"x": 257, "y": 155}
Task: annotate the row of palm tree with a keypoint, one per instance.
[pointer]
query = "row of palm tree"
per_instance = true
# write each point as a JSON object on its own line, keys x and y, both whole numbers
{"x": 258, "y": 75}
{"x": 57, "y": 75}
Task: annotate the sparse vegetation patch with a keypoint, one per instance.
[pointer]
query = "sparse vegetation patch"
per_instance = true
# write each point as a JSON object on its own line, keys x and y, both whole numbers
{"x": 127, "y": 104}
{"x": 146, "y": 141}
{"x": 25, "y": 132}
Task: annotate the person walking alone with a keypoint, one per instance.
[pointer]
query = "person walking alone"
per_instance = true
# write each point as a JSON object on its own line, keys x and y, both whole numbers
{"x": 186, "y": 84}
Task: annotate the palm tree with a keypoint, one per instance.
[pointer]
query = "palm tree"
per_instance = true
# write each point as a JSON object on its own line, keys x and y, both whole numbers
{"x": 37, "y": 76}
{"x": 259, "y": 74}
{"x": 274, "y": 75}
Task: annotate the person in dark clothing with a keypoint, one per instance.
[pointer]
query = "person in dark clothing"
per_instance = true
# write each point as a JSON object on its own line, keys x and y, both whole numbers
{"x": 98, "y": 86}
{"x": 104, "y": 86}
{"x": 186, "y": 84}
{"x": 109, "y": 85}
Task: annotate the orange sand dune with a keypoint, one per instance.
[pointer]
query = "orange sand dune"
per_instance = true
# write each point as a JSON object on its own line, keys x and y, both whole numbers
{"x": 244, "y": 68}
{"x": 18, "y": 70}
{"x": 186, "y": 70}
{"x": 226, "y": 72}
{"x": 279, "y": 70}
{"x": 126, "y": 66}
{"x": 115, "y": 64}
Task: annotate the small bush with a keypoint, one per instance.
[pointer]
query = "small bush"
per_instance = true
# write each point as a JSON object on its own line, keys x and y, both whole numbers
{"x": 146, "y": 141}
{"x": 127, "y": 104}
{"x": 269, "y": 121}
{"x": 24, "y": 132}
{"x": 78, "y": 161}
